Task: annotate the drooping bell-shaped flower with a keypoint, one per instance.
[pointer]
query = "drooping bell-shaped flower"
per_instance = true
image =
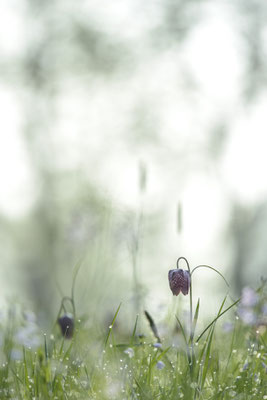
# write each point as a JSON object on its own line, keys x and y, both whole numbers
{"x": 66, "y": 323}
{"x": 179, "y": 281}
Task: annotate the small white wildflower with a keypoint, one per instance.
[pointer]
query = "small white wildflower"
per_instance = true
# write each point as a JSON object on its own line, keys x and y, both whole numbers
{"x": 129, "y": 352}
{"x": 160, "y": 365}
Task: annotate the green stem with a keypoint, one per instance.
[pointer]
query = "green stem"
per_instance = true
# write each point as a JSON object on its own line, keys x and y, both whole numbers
{"x": 191, "y": 322}
{"x": 213, "y": 269}
{"x": 190, "y": 341}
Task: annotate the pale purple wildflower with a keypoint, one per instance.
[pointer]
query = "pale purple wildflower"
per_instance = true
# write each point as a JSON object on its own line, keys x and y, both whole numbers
{"x": 249, "y": 297}
{"x": 29, "y": 316}
{"x": 245, "y": 366}
{"x": 264, "y": 309}
{"x": 16, "y": 355}
{"x": 179, "y": 281}
{"x": 28, "y": 336}
{"x": 157, "y": 345}
{"x": 228, "y": 327}
{"x": 129, "y": 352}
{"x": 247, "y": 316}
{"x": 160, "y": 365}
{"x": 264, "y": 366}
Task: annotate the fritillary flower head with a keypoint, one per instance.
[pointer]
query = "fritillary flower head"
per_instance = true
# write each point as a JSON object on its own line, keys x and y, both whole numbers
{"x": 66, "y": 323}
{"x": 179, "y": 279}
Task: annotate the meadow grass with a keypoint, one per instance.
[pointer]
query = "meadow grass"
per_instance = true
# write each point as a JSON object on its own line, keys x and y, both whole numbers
{"x": 221, "y": 361}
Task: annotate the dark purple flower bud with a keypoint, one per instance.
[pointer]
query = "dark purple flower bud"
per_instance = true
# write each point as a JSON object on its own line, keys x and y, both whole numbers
{"x": 66, "y": 323}
{"x": 179, "y": 281}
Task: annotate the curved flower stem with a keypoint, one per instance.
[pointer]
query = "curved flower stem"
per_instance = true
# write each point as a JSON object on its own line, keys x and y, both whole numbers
{"x": 62, "y": 307}
{"x": 187, "y": 263}
{"x": 191, "y": 310}
{"x": 70, "y": 299}
{"x": 213, "y": 269}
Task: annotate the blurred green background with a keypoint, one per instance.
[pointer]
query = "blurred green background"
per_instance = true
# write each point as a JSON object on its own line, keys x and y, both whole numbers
{"x": 132, "y": 133}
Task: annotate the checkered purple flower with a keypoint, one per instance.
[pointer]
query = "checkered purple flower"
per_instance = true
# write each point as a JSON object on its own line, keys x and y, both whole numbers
{"x": 179, "y": 281}
{"x": 66, "y": 323}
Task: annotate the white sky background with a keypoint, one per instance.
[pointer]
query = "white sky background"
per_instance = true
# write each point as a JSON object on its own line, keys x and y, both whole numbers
{"x": 213, "y": 54}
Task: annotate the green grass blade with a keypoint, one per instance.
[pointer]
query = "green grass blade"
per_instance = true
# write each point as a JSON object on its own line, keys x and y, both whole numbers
{"x": 112, "y": 323}
{"x": 204, "y": 348}
{"x": 134, "y": 330}
{"x": 74, "y": 277}
{"x": 208, "y": 350}
{"x": 195, "y": 320}
{"x": 26, "y": 374}
{"x": 213, "y": 269}
{"x": 182, "y": 330}
{"x": 215, "y": 319}
{"x": 152, "y": 326}
{"x": 231, "y": 349}
{"x": 144, "y": 394}
{"x": 220, "y": 309}
{"x": 207, "y": 358}
{"x": 62, "y": 346}
{"x": 67, "y": 353}
{"x": 162, "y": 354}
{"x": 45, "y": 347}
{"x": 186, "y": 342}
